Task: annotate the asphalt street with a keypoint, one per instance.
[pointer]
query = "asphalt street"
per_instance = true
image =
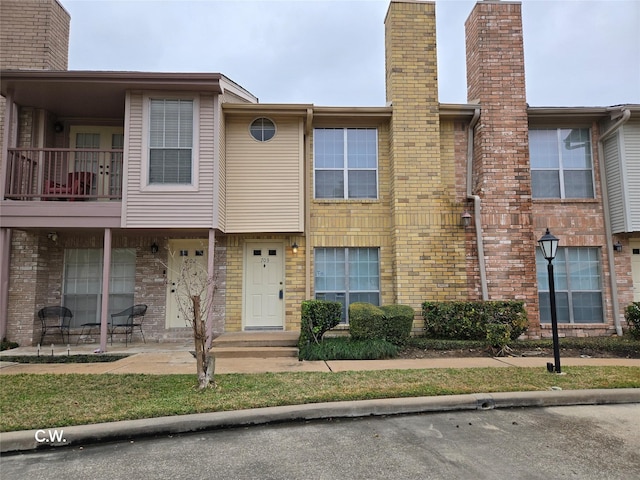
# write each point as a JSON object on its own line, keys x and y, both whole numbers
{"x": 580, "y": 442}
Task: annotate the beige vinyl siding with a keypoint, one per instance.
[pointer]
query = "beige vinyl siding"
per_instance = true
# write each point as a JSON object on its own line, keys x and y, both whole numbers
{"x": 264, "y": 181}
{"x": 632, "y": 172}
{"x": 169, "y": 209}
{"x": 613, "y": 171}
{"x": 222, "y": 161}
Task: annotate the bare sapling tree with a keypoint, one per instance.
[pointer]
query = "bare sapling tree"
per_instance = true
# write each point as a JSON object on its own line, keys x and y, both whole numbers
{"x": 194, "y": 290}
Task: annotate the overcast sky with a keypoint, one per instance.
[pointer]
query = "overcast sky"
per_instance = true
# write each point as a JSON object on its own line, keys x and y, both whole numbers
{"x": 331, "y": 52}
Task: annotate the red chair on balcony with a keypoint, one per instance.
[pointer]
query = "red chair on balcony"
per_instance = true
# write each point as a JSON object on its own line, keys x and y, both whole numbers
{"x": 78, "y": 185}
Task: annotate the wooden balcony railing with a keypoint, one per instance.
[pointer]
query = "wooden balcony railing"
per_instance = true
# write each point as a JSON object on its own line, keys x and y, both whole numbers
{"x": 64, "y": 174}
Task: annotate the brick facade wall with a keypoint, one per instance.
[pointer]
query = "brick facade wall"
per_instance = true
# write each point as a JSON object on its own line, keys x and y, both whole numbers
{"x": 580, "y": 223}
{"x": 37, "y": 265}
{"x": 495, "y": 77}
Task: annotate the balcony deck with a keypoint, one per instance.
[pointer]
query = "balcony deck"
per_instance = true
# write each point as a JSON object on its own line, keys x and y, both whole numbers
{"x": 58, "y": 187}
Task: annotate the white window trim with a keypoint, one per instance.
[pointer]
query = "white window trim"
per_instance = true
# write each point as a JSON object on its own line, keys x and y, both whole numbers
{"x": 275, "y": 127}
{"x": 345, "y": 169}
{"x": 195, "y": 157}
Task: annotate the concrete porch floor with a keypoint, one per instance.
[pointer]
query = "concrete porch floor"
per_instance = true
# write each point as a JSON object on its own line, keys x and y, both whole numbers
{"x": 231, "y": 340}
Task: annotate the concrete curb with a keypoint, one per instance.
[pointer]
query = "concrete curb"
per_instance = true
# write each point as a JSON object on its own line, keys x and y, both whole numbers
{"x": 25, "y": 440}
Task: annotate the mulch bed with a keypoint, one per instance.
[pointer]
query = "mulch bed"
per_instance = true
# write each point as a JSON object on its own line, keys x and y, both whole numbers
{"x": 95, "y": 358}
{"x": 413, "y": 353}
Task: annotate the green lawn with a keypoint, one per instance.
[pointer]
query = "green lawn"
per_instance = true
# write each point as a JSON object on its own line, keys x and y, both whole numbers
{"x": 48, "y": 401}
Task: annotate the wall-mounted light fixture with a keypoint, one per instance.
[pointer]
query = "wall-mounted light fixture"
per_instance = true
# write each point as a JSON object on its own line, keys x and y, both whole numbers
{"x": 58, "y": 127}
{"x": 154, "y": 248}
{"x": 294, "y": 247}
{"x": 617, "y": 246}
{"x": 465, "y": 219}
{"x": 53, "y": 236}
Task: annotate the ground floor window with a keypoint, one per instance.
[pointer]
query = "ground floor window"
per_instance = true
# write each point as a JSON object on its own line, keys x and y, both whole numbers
{"x": 82, "y": 286}
{"x": 347, "y": 275}
{"x": 578, "y": 286}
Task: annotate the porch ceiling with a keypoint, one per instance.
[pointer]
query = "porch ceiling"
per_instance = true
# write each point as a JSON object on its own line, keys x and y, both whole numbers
{"x": 94, "y": 94}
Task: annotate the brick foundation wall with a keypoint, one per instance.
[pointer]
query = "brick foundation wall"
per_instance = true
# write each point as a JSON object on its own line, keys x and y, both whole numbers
{"x": 22, "y": 322}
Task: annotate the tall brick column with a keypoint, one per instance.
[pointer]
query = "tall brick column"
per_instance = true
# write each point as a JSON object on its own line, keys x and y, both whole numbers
{"x": 427, "y": 241}
{"x": 502, "y": 178}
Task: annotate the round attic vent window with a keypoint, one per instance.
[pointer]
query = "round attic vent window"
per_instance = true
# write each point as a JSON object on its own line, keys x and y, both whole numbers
{"x": 262, "y": 129}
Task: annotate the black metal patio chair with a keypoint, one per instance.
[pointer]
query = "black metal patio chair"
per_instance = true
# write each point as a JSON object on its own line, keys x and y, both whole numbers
{"x": 127, "y": 321}
{"x": 55, "y": 318}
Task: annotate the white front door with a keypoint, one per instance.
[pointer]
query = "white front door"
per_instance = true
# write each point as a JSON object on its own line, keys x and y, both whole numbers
{"x": 179, "y": 251}
{"x": 635, "y": 268}
{"x": 264, "y": 286}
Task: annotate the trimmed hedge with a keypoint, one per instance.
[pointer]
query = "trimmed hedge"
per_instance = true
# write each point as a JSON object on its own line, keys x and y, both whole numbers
{"x": 470, "y": 320}
{"x": 345, "y": 348}
{"x": 390, "y": 322}
{"x": 318, "y": 316}
{"x": 632, "y": 314}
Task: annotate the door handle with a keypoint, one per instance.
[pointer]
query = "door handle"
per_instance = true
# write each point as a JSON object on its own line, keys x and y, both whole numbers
{"x": 281, "y": 294}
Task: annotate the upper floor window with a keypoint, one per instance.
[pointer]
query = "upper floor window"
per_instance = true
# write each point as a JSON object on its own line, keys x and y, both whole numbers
{"x": 170, "y": 141}
{"x": 346, "y": 162}
{"x": 561, "y": 163}
{"x": 262, "y": 129}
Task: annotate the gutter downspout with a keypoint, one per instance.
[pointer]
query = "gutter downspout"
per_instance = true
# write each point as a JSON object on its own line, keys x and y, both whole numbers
{"x": 307, "y": 204}
{"x": 476, "y": 206}
{"x": 626, "y": 114}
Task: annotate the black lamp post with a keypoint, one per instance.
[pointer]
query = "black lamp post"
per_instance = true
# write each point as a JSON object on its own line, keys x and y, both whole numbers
{"x": 549, "y": 245}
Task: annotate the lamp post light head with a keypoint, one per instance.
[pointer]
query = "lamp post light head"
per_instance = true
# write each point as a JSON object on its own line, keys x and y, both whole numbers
{"x": 549, "y": 245}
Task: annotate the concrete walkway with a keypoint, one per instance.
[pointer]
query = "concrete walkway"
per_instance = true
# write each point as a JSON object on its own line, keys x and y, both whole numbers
{"x": 181, "y": 361}
{"x": 176, "y": 359}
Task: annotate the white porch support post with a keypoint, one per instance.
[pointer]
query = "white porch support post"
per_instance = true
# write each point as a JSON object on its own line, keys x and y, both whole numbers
{"x": 5, "y": 257}
{"x": 211, "y": 262}
{"x": 106, "y": 273}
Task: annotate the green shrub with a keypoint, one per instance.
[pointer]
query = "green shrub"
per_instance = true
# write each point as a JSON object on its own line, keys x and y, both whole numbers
{"x": 7, "y": 345}
{"x": 632, "y": 314}
{"x": 345, "y": 348}
{"x": 365, "y": 321}
{"x": 469, "y": 320}
{"x": 391, "y": 322}
{"x": 318, "y": 316}
{"x": 399, "y": 321}
{"x": 498, "y": 337}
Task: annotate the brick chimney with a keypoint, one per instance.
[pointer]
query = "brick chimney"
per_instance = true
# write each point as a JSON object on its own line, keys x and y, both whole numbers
{"x": 502, "y": 178}
{"x": 427, "y": 241}
{"x": 34, "y": 34}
